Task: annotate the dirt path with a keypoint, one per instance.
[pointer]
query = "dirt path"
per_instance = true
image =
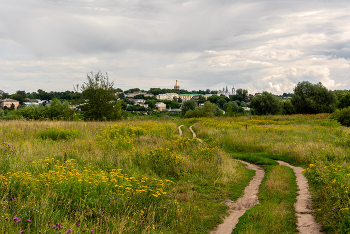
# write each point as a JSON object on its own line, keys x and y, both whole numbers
{"x": 180, "y": 131}
{"x": 238, "y": 208}
{"x": 194, "y": 134}
{"x": 303, "y": 206}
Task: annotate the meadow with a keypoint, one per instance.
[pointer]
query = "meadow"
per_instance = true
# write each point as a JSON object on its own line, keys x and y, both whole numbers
{"x": 112, "y": 177}
{"x": 316, "y": 142}
{"x": 139, "y": 176}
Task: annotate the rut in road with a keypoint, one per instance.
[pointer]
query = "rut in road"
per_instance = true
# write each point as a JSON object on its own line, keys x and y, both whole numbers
{"x": 306, "y": 223}
{"x": 194, "y": 134}
{"x": 238, "y": 208}
{"x": 180, "y": 131}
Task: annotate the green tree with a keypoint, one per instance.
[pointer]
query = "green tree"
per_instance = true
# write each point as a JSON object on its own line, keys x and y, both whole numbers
{"x": 17, "y": 97}
{"x": 188, "y": 105}
{"x": 99, "y": 93}
{"x": 266, "y": 104}
{"x": 201, "y": 99}
{"x": 59, "y": 110}
{"x": 344, "y": 101}
{"x": 287, "y": 107}
{"x": 313, "y": 98}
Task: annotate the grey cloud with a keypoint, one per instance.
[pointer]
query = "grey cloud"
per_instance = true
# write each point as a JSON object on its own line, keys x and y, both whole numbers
{"x": 137, "y": 40}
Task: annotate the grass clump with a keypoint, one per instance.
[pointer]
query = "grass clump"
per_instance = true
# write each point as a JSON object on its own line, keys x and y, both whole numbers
{"x": 277, "y": 196}
{"x": 331, "y": 195}
{"x": 56, "y": 134}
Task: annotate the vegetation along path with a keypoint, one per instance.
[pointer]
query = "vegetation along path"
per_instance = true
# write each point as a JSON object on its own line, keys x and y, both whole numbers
{"x": 194, "y": 134}
{"x": 249, "y": 199}
{"x": 303, "y": 206}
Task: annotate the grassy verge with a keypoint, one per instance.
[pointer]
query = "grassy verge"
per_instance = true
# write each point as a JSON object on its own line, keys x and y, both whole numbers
{"x": 276, "y": 212}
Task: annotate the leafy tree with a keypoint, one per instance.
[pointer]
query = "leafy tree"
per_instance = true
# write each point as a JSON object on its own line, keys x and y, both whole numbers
{"x": 287, "y": 107}
{"x": 221, "y": 102}
{"x": 312, "y": 98}
{"x": 213, "y": 99}
{"x": 188, "y": 105}
{"x": 131, "y": 90}
{"x": 171, "y": 104}
{"x": 139, "y": 96}
{"x": 201, "y": 99}
{"x": 344, "y": 101}
{"x": 234, "y": 107}
{"x": 17, "y": 97}
{"x": 59, "y": 110}
{"x": 208, "y": 110}
{"x": 266, "y": 104}
{"x": 99, "y": 93}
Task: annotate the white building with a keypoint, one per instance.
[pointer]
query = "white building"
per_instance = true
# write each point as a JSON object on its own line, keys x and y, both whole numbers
{"x": 160, "y": 106}
{"x": 167, "y": 96}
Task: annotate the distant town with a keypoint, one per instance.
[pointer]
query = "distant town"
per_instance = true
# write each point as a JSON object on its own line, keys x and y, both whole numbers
{"x": 136, "y": 100}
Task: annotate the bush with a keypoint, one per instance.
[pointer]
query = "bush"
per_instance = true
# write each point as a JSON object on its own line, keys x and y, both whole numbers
{"x": 55, "y": 134}
{"x": 342, "y": 116}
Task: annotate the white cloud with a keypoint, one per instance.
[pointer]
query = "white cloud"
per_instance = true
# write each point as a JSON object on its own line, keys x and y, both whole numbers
{"x": 259, "y": 45}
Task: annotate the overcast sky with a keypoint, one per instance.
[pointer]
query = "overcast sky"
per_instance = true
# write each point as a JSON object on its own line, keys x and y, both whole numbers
{"x": 260, "y": 45}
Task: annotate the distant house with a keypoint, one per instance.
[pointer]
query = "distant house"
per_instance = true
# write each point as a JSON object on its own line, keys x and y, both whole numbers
{"x": 168, "y": 96}
{"x": 138, "y": 101}
{"x": 160, "y": 106}
{"x": 7, "y": 103}
{"x": 175, "y": 111}
{"x": 1, "y": 93}
{"x": 132, "y": 95}
{"x": 246, "y": 108}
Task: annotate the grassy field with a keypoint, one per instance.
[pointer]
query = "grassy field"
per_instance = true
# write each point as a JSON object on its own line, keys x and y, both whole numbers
{"x": 315, "y": 142}
{"x": 124, "y": 177}
{"x": 139, "y": 176}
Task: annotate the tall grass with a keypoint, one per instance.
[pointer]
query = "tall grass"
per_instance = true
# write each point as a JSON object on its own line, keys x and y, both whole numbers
{"x": 125, "y": 177}
{"x": 315, "y": 142}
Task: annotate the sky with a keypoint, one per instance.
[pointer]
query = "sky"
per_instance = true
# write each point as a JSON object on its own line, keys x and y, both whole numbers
{"x": 265, "y": 45}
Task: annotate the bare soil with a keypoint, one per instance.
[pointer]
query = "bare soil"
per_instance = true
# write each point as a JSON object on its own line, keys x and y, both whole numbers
{"x": 180, "y": 131}
{"x": 238, "y": 208}
{"x": 303, "y": 207}
{"x": 194, "y": 134}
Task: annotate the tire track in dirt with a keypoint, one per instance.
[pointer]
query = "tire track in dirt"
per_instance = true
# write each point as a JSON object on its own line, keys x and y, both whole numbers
{"x": 194, "y": 134}
{"x": 306, "y": 223}
{"x": 180, "y": 131}
{"x": 244, "y": 203}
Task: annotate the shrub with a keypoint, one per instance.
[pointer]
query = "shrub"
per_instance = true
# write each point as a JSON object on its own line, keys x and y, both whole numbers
{"x": 342, "y": 116}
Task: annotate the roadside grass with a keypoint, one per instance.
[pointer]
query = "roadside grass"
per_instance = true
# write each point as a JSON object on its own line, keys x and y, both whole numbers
{"x": 275, "y": 213}
{"x": 125, "y": 177}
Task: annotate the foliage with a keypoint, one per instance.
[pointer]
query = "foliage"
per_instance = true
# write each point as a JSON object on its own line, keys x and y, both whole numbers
{"x": 208, "y": 110}
{"x": 332, "y": 197}
{"x": 188, "y": 105}
{"x": 99, "y": 93}
{"x": 313, "y": 98}
{"x": 344, "y": 101}
{"x": 342, "y": 116}
{"x": 266, "y": 104}
{"x": 287, "y": 107}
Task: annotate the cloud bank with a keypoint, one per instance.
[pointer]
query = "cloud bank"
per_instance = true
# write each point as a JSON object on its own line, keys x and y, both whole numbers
{"x": 258, "y": 45}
